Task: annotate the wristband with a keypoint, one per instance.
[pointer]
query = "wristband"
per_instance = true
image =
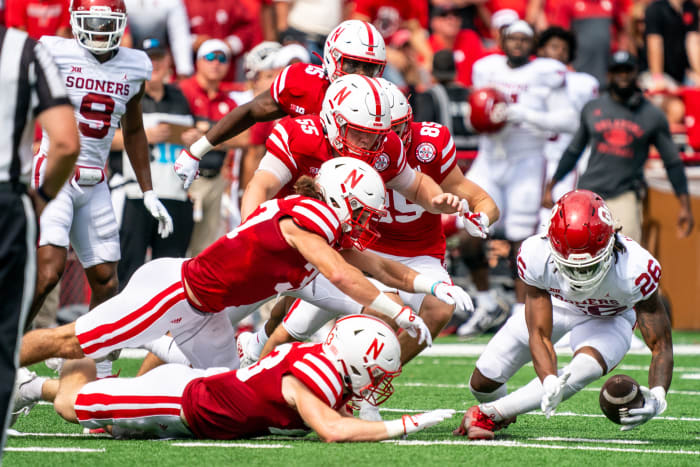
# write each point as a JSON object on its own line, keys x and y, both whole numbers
{"x": 395, "y": 428}
{"x": 385, "y": 305}
{"x": 43, "y": 195}
{"x": 424, "y": 284}
{"x": 200, "y": 147}
{"x": 659, "y": 393}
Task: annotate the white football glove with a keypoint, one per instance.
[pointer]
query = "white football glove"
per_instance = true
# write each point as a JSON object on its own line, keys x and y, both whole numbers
{"x": 186, "y": 167}
{"x": 453, "y": 295}
{"x": 157, "y": 210}
{"x": 421, "y": 421}
{"x": 413, "y": 325}
{"x": 654, "y": 404}
{"x": 516, "y": 113}
{"x": 552, "y": 387}
{"x": 475, "y": 223}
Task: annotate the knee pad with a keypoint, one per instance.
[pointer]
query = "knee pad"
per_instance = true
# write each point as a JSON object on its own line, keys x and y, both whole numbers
{"x": 482, "y": 397}
{"x": 584, "y": 370}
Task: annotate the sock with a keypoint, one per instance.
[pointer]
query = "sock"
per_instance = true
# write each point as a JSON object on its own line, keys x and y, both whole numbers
{"x": 104, "y": 368}
{"x": 32, "y": 389}
{"x": 485, "y": 300}
{"x": 167, "y": 350}
{"x": 488, "y": 396}
{"x": 258, "y": 341}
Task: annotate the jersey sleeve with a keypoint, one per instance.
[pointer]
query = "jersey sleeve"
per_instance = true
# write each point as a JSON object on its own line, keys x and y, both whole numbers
{"x": 319, "y": 375}
{"x": 551, "y": 73}
{"x": 315, "y": 216}
{"x": 531, "y": 260}
{"x": 448, "y": 154}
{"x": 299, "y": 89}
{"x": 278, "y": 145}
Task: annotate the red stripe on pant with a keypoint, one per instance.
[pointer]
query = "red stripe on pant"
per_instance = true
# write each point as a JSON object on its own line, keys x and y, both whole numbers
{"x": 99, "y": 398}
{"x": 84, "y": 415}
{"x": 136, "y": 330}
{"x": 294, "y": 306}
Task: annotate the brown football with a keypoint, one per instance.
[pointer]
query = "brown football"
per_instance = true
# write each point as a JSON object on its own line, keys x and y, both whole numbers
{"x": 619, "y": 394}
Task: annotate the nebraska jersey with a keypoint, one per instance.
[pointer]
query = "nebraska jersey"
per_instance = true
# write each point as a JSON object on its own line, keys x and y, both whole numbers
{"x": 98, "y": 91}
{"x": 299, "y": 89}
{"x": 529, "y": 85}
{"x": 633, "y": 276}
{"x": 248, "y": 402}
{"x": 300, "y": 147}
{"x": 254, "y": 261}
{"x": 409, "y": 230}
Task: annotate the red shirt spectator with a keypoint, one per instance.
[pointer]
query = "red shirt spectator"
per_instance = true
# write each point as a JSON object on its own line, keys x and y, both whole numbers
{"x": 390, "y": 15}
{"x": 519, "y": 6}
{"x": 203, "y": 106}
{"x": 39, "y": 17}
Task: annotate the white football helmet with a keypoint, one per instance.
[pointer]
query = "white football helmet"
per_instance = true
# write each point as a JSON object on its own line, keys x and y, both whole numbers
{"x": 354, "y": 46}
{"x": 367, "y": 354}
{"x": 355, "y": 192}
{"x": 356, "y": 117}
{"x": 260, "y": 58}
{"x": 401, "y": 112}
{"x": 98, "y": 25}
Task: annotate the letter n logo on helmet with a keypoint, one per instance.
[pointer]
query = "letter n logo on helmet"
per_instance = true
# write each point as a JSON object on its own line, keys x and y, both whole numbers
{"x": 353, "y": 178}
{"x": 375, "y": 348}
{"x": 341, "y": 95}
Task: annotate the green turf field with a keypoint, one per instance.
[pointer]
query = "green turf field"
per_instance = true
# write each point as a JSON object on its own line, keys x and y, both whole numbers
{"x": 578, "y": 435}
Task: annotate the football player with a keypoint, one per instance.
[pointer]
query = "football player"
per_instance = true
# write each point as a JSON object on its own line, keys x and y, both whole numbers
{"x": 295, "y": 389}
{"x": 510, "y": 164}
{"x": 585, "y": 278}
{"x": 293, "y": 239}
{"x": 105, "y": 83}
{"x": 352, "y": 47}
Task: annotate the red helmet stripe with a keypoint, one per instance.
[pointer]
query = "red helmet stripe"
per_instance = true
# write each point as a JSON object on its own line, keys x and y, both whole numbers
{"x": 370, "y": 37}
{"x": 377, "y": 101}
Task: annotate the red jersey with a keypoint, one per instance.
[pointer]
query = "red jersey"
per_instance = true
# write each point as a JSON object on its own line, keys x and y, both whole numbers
{"x": 249, "y": 402}
{"x": 299, "y": 89}
{"x": 467, "y": 49}
{"x": 409, "y": 230}
{"x": 254, "y": 261}
{"x": 39, "y": 17}
{"x": 204, "y": 107}
{"x": 300, "y": 144}
{"x": 390, "y": 15}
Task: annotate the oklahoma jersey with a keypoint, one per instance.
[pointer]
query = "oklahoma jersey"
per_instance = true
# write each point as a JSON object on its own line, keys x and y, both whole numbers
{"x": 98, "y": 91}
{"x": 528, "y": 85}
{"x": 248, "y": 402}
{"x": 409, "y": 230}
{"x": 299, "y": 89}
{"x": 298, "y": 146}
{"x": 633, "y": 276}
{"x": 254, "y": 261}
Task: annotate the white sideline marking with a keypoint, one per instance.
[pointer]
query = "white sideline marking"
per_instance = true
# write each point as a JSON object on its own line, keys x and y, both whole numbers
{"x": 43, "y": 449}
{"x": 590, "y": 440}
{"x": 466, "y": 386}
{"x": 58, "y": 435}
{"x": 646, "y": 368}
{"x": 517, "y": 444}
{"x": 236, "y": 445}
{"x": 691, "y": 376}
{"x": 557, "y": 414}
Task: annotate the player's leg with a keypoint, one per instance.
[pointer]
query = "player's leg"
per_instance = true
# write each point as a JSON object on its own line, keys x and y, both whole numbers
{"x": 208, "y": 341}
{"x": 255, "y": 345}
{"x": 135, "y": 236}
{"x": 103, "y": 282}
{"x": 74, "y": 375}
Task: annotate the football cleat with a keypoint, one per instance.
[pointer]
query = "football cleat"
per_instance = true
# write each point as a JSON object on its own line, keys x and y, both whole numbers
{"x": 22, "y": 402}
{"x": 482, "y": 320}
{"x": 476, "y": 425}
{"x": 245, "y": 355}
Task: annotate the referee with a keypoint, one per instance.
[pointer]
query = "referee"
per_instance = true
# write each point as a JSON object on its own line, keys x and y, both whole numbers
{"x": 30, "y": 88}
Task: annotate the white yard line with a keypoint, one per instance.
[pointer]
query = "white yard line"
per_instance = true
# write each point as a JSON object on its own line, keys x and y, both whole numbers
{"x": 590, "y": 440}
{"x": 691, "y": 376}
{"x": 20, "y": 434}
{"x": 44, "y": 449}
{"x": 232, "y": 445}
{"x": 557, "y": 414}
{"x": 517, "y": 444}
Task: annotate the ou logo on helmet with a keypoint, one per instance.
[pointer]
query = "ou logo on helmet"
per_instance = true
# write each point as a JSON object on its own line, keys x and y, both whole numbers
{"x": 605, "y": 215}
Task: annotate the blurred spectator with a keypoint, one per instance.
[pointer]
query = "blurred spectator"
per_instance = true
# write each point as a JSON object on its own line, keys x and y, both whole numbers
{"x": 232, "y": 22}
{"x": 446, "y": 102}
{"x": 209, "y": 101}
{"x": 467, "y": 11}
{"x": 636, "y": 32}
{"x": 406, "y": 71}
{"x": 673, "y": 42}
{"x": 166, "y": 21}
{"x": 620, "y": 126}
{"x": 465, "y": 43}
{"x": 39, "y": 17}
{"x": 169, "y": 127}
{"x": 314, "y": 19}
{"x": 500, "y": 20}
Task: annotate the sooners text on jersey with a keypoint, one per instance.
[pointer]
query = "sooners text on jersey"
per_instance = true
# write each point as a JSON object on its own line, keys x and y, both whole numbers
{"x": 249, "y": 402}
{"x": 254, "y": 262}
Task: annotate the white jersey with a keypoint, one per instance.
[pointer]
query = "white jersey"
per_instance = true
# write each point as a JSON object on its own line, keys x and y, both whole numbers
{"x": 529, "y": 85}
{"x": 633, "y": 276}
{"x": 98, "y": 91}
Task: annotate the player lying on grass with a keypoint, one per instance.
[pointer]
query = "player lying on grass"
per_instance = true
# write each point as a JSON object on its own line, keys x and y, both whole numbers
{"x": 585, "y": 278}
{"x": 296, "y": 388}
{"x": 282, "y": 246}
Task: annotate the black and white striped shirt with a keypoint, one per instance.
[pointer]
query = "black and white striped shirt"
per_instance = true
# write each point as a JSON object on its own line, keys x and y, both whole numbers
{"x": 29, "y": 84}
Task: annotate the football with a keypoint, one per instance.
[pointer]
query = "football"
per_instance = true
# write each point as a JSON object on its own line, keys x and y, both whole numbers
{"x": 487, "y": 110}
{"x": 619, "y": 394}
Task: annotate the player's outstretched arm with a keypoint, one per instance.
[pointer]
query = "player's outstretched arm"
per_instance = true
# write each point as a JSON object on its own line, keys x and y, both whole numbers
{"x": 135, "y": 141}
{"x": 538, "y": 316}
{"x": 333, "y": 427}
{"x": 425, "y": 192}
{"x": 478, "y": 199}
{"x": 262, "y": 108}
{"x": 262, "y": 187}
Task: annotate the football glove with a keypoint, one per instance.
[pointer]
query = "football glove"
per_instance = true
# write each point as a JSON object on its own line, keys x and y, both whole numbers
{"x": 413, "y": 325}
{"x": 157, "y": 210}
{"x": 654, "y": 404}
{"x": 476, "y": 224}
{"x": 186, "y": 167}
{"x": 453, "y": 295}
{"x": 413, "y": 423}
{"x": 552, "y": 386}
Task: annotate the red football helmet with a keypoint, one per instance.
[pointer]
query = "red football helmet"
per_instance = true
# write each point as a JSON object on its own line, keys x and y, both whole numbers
{"x": 98, "y": 25}
{"x": 581, "y": 238}
{"x": 487, "y": 110}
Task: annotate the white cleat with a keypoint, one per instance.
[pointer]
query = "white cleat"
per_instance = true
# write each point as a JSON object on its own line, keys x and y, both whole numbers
{"x": 369, "y": 412}
{"x": 245, "y": 355}
{"x": 482, "y": 320}
{"x": 22, "y": 403}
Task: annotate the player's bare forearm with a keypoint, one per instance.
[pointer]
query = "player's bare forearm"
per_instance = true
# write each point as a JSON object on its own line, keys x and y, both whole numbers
{"x": 422, "y": 191}
{"x": 538, "y": 316}
{"x": 262, "y": 187}
{"x": 390, "y": 273}
{"x": 656, "y": 330}
{"x": 262, "y": 108}
{"x": 478, "y": 199}
{"x": 136, "y": 143}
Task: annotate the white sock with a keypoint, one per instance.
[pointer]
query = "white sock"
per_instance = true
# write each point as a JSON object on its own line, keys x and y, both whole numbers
{"x": 104, "y": 368}
{"x": 258, "y": 341}
{"x": 485, "y": 299}
{"x": 523, "y": 400}
{"x": 501, "y": 391}
{"x": 167, "y": 350}
{"x": 32, "y": 389}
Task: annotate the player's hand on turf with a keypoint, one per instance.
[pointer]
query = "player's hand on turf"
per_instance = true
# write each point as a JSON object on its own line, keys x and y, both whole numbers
{"x": 157, "y": 210}
{"x": 475, "y": 223}
{"x": 421, "y": 421}
{"x": 446, "y": 203}
{"x": 453, "y": 295}
{"x": 186, "y": 167}
{"x": 552, "y": 386}
{"x": 414, "y": 325}
{"x": 654, "y": 404}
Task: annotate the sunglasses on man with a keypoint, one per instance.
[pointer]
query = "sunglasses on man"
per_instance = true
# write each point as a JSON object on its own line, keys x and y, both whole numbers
{"x": 220, "y": 56}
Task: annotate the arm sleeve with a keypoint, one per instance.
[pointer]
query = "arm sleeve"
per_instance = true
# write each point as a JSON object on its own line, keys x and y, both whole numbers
{"x": 560, "y": 116}
{"x": 402, "y": 180}
{"x": 573, "y": 151}
{"x": 181, "y": 40}
{"x": 672, "y": 160}
{"x": 49, "y": 87}
{"x": 272, "y": 164}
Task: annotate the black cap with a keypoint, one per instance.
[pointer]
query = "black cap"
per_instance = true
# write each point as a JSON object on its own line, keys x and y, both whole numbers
{"x": 444, "y": 11}
{"x": 444, "y": 68}
{"x": 153, "y": 47}
{"x": 622, "y": 60}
